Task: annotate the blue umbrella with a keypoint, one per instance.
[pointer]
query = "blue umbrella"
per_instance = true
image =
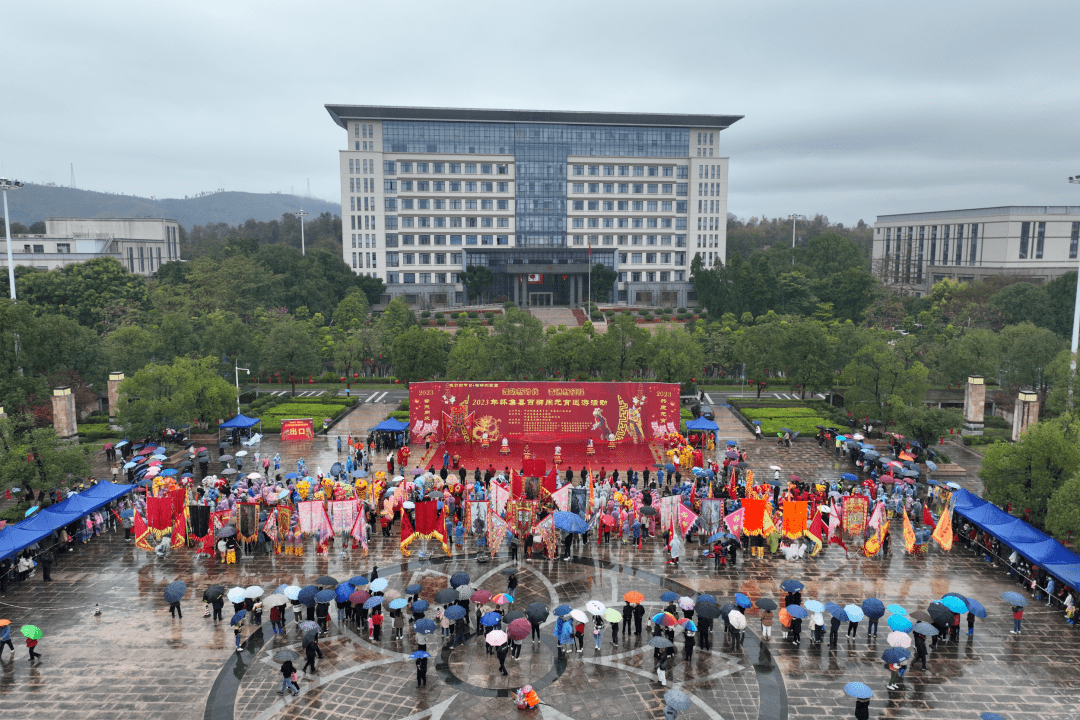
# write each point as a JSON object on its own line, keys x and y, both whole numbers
{"x": 31, "y": 511}
{"x": 669, "y": 596}
{"x": 343, "y": 591}
{"x": 175, "y": 590}
{"x": 424, "y": 627}
{"x": 797, "y": 611}
{"x": 732, "y": 443}
{"x": 379, "y": 584}
{"x": 398, "y": 603}
{"x": 850, "y": 477}
{"x": 814, "y": 606}
{"x": 490, "y": 619}
{"x": 975, "y": 608}
{"x": 307, "y": 595}
{"x": 899, "y": 623}
{"x": 460, "y": 578}
{"x": 358, "y": 581}
{"x": 419, "y": 606}
{"x": 742, "y": 600}
{"x": 291, "y": 476}
{"x": 414, "y": 589}
{"x": 859, "y": 691}
{"x": 130, "y": 464}
{"x": 952, "y": 486}
{"x": 418, "y": 655}
{"x": 791, "y": 586}
{"x": 689, "y": 626}
{"x": 896, "y": 610}
{"x": 705, "y": 597}
{"x": 955, "y": 604}
{"x": 925, "y": 629}
{"x": 756, "y": 422}
{"x": 570, "y": 522}
{"x": 455, "y": 612}
{"x": 169, "y": 472}
{"x": 896, "y": 655}
{"x": 931, "y": 465}
{"x": 873, "y": 608}
{"x": 562, "y": 610}
{"x": 238, "y": 617}
{"x": 990, "y": 716}
{"x": 833, "y": 608}
{"x": 932, "y": 481}
{"x": 1014, "y": 598}
{"x": 127, "y": 512}
{"x": 373, "y": 602}
{"x": 325, "y": 596}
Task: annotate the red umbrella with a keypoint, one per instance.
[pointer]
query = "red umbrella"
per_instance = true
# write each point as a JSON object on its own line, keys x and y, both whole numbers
{"x": 480, "y": 597}
{"x": 359, "y": 597}
{"x": 519, "y": 629}
{"x": 608, "y": 521}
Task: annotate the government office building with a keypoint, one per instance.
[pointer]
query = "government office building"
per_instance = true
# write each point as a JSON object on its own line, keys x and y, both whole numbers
{"x": 1035, "y": 244}
{"x": 538, "y": 198}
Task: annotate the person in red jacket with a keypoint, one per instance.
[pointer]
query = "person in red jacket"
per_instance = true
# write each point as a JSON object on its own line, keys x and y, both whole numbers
{"x": 1018, "y": 615}
{"x": 30, "y": 645}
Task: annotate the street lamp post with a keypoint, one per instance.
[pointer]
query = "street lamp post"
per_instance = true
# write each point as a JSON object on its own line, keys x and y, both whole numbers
{"x": 237, "y": 369}
{"x": 6, "y": 185}
{"x": 793, "y": 218}
{"x": 1075, "y": 180}
{"x": 301, "y": 215}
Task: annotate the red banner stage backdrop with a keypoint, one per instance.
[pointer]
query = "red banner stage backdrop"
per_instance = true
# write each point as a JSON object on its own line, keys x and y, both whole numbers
{"x": 461, "y": 412}
{"x": 301, "y": 429}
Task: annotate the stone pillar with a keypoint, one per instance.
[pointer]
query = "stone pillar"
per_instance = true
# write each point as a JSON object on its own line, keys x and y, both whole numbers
{"x": 115, "y": 378}
{"x": 974, "y": 405}
{"x": 63, "y": 404}
{"x": 1026, "y": 413}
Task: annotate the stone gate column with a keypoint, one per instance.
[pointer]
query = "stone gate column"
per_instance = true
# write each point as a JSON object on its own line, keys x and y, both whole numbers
{"x": 64, "y": 413}
{"x": 1026, "y": 413}
{"x": 974, "y": 405}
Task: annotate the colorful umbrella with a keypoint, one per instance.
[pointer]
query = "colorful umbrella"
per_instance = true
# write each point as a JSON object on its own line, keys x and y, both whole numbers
{"x": 634, "y": 597}
{"x": 502, "y": 599}
{"x": 665, "y": 619}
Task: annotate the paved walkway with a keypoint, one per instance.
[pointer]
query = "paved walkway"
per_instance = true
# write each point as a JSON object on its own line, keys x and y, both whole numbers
{"x": 134, "y": 661}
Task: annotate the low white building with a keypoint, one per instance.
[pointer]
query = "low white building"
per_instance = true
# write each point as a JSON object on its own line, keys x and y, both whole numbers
{"x": 142, "y": 245}
{"x": 1033, "y": 243}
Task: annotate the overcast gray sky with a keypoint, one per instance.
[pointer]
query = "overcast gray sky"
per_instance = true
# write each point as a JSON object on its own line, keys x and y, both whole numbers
{"x": 852, "y": 108}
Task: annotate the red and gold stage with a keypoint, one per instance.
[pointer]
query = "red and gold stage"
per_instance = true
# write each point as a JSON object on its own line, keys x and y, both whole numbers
{"x": 609, "y": 425}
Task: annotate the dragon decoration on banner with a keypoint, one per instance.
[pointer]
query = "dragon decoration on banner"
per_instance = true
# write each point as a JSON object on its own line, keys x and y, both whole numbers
{"x": 429, "y": 524}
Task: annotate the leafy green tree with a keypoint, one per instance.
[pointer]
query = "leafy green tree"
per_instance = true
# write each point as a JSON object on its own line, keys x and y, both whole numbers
{"x": 760, "y": 348}
{"x": 291, "y": 350}
{"x": 1022, "y": 302}
{"x": 351, "y": 312}
{"x": 52, "y": 463}
{"x": 372, "y": 287}
{"x": 850, "y": 291}
{"x": 128, "y": 348}
{"x": 1061, "y": 296}
{"x": 569, "y": 352}
{"x": 1063, "y": 511}
{"x": 623, "y": 348}
{"x": 395, "y": 320}
{"x": 1062, "y": 379}
{"x": 795, "y": 294}
{"x": 517, "y": 343}
{"x": 421, "y": 354}
{"x": 976, "y": 352}
{"x": 879, "y": 380}
{"x": 476, "y": 279}
{"x": 349, "y": 353}
{"x": 674, "y": 356}
{"x": 470, "y": 358}
{"x": 603, "y": 281}
{"x": 1028, "y": 472}
{"x": 224, "y": 336}
{"x": 807, "y": 352}
{"x": 927, "y": 424}
{"x": 1026, "y": 351}
{"x": 168, "y": 394}
{"x": 831, "y": 253}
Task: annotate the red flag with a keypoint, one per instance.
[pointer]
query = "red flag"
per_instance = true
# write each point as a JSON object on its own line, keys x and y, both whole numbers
{"x": 927, "y": 517}
{"x": 142, "y": 533}
{"x": 178, "y": 528}
{"x": 406, "y": 527}
{"x": 733, "y": 489}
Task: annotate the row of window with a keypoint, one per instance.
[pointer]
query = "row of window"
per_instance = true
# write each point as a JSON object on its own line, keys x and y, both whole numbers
{"x": 705, "y": 172}
{"x": 367, "y": 130}
{"x": 664, "y": 276}
{"x": 363, "y": 222}
{"x": 708, "y": 206}
{"x": 636, "y": 188}
{"x": 630, "y": 205}
{"x": 651, "y": 258}
{"x": 712, "y": 189}
{"x": 913, "y": 246}
{"x": 680, "y": 240}
{"x": 367, "y": 165}
{"x": 407, "y": 240}
{"x": 708, "y": 241}
{"x": 623, "y": 222}
{"x": 408, "y": 258}
{"x": 701, "y": 138}
{"x": 391, "y": 186}
{"x": 439, "y": 168}
{"x": 453, "y": 222}
{"x": 365, "y": 240}
{"x": 1039, "y": 229}
{"x": 368, "y": 260}
{"x": 708, "y": 223}
{"x": 391, "y": 204}
{"x": 393, "y": 278}
{"x": 681, "y": 171}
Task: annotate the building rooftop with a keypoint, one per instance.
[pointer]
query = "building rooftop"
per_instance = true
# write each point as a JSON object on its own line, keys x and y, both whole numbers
{"x": 984, "y": 212}
{"x": 342, "y": 114}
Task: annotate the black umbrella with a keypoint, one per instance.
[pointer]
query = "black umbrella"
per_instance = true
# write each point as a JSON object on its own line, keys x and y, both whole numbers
{"x": 446, "y": 596}
{"x": 307, "y": 595}
{"x": 226, "y": 531}
{"x": 213, "y": 592}
{"x": 766, "y": 604}
{"x": 940, "y": 613}
{"x": 175, "y": 590}
{"x": 326, "y": 580}
{"x": 512, "y": 616}
{"x": 536, "y": 612}
{"x": 707, "y": 610}
{"x": 726, "y": 609}
{"x": 458, "y": 579}
{"x": 648, "y": 510}
{"x": 509, "y": 571}
{"x": 658, "y": 641}
{"x": 921, "y": 616}
{"x": 283, "y": 655}
{"x": 309, "y": 637}
{"x": 185, "y": 463}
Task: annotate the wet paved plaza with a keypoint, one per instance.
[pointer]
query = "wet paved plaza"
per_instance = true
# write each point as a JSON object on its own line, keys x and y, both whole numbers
{"x": 134, "y": 661}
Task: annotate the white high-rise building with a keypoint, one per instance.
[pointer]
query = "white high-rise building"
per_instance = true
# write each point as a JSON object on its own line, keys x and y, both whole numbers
{"x": 536, "y": 197}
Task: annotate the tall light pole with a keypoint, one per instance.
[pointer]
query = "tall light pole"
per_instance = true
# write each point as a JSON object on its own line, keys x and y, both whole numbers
{"x": 793, "y": 218}
{"x": 6, "y": 185}
{"x": 301, "y": 215}
{"x": 237, "y": 369}
{"x": 1075, "y": 180}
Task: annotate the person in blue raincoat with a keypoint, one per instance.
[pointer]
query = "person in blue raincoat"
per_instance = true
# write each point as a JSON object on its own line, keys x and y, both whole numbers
{"x": 459, "y": 533}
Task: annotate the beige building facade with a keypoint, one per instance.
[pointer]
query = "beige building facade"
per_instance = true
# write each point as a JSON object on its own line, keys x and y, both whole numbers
{"x": 1034, "y": 243}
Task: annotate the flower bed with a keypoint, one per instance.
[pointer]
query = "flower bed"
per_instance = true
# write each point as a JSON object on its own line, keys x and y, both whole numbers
{"x": 798, "y": 419}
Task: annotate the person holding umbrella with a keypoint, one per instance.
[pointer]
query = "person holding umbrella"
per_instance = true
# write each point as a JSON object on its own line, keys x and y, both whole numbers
{"x": 501, "y": 653}
{"x": 238, "y": 626}
{"x": 421, "y": 659}
{"x": 33, "y": 636}
{"x": 5, "y": 637}
{"x": 310, "y": 651}
{"x": 288, "y": 678}
{"x": 862, "y": 694}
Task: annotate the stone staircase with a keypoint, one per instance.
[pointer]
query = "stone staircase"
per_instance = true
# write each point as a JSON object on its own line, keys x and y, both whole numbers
{"x": 554, "y": 316}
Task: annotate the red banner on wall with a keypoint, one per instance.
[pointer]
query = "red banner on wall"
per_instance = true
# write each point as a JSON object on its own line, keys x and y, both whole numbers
{"x": 300, "y": 429}
{"x": 542, "y": 411}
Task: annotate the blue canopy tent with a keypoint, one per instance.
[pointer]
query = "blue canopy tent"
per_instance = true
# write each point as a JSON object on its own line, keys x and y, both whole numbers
{"x": 703, "y": 424}
{"x": 1036, "y": 546}
{"x": 392, "y": 425}
{"x": 15, "y": 538}
{"x": 240, "y": 422}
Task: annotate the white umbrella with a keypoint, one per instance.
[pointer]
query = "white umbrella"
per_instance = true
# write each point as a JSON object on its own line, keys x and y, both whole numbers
{"x": 737, "y": 620}
{"x": 899, "y": 639}
{"x": 579, "y": 616}
{"x": 595, "y": 607}
{"x": 686, "y": 603}
{"x": 236, "y": 595}
{"x": 253, "y": 591}
{"x": 242, "y": 453}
